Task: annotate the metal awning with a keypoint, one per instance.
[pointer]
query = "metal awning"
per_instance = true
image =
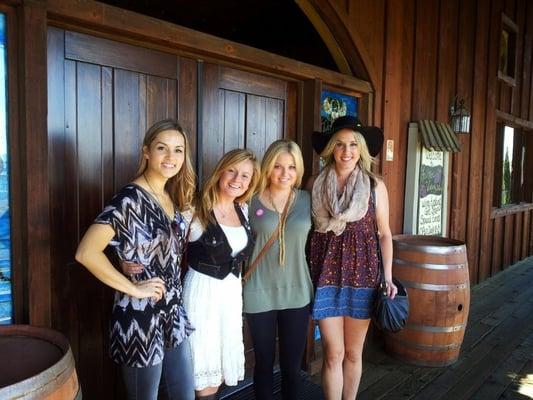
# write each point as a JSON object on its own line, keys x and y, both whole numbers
{"x": 438, "y": 136}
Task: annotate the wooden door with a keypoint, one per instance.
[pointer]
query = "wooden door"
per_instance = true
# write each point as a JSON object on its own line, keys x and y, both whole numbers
{"x": 102, "y": 97}
{"x": 243, "y": 109}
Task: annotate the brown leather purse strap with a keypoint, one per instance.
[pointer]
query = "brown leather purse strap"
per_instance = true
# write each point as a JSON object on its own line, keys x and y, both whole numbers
{"x": 267, "y": 245}
{"x": 255, "y": 263}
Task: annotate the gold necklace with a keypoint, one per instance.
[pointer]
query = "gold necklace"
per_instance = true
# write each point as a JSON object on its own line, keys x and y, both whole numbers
{"x": 222, "y": 213}
{"x": 159, "y": 200}
{"x": 152, "y": 189}
{"x": 271, "y": 199}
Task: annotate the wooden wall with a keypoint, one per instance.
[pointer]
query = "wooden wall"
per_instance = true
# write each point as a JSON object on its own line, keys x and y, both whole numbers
{"x": 417, "y": 55}
{"x": 423, "y": 53}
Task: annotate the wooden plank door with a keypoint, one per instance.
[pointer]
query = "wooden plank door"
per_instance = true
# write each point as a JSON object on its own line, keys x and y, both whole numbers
{"x": 243, "y": 109}
{"x": 102, "y": 97}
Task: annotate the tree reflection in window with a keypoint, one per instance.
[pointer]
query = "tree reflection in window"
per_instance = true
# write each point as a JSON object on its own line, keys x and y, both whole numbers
{"x": 508, "y": 140}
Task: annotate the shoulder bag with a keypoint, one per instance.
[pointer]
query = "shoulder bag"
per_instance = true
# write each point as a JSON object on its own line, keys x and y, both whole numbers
{"x": 389, "y": 314}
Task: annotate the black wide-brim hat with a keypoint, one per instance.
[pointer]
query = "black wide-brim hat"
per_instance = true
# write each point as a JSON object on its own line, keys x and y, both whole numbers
{"x": 372, "y": 134}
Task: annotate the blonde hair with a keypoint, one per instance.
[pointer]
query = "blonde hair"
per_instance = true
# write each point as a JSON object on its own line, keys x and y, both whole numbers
{"x": 365, "y": 159}
{"x": 209, "y": 196}
{"x": 181, "y": 186}
{"x": 269, "y": 160}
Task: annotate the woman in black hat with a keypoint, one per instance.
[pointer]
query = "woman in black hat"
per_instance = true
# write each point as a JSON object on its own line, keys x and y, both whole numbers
{"x": 350, "y": 213}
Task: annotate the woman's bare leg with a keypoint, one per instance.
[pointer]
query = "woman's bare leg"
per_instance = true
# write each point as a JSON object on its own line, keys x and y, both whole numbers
{"x": 354, "y": 339}
{"x": 332, "y": 333}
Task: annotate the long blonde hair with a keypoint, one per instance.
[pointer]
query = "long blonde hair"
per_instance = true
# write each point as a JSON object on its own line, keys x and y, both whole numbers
{"x": 267, "y": 165}
{"x": 209, "y": 196}
{"x": 366, "y": 161}
{"x": 269, "y": 160}
{"x": 181, "y": 186}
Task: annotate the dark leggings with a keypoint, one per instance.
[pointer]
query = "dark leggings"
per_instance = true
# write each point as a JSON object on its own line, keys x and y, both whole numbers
{"x": 291, "y": 327}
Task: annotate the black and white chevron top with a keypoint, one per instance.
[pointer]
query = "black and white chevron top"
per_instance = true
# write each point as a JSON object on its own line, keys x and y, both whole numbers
{"x": 141, "y": 328}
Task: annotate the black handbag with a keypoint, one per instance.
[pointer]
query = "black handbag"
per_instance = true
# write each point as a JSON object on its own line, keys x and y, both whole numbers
{"x": 389, "y": 314}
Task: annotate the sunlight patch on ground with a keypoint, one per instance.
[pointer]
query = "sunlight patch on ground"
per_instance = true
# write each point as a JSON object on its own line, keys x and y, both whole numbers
{"x": 526, "y": 386}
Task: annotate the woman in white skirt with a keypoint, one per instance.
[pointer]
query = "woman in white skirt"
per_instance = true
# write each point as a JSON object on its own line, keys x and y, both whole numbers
{"x": 219, "y": 240}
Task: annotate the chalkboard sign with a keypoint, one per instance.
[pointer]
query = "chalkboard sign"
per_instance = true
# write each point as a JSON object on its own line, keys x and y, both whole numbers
{"x": 430, "y": 193}
{"x": 426, "y": 188}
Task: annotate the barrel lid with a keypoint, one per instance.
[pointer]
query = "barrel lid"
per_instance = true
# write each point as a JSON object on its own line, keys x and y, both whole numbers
{"x": 429, "y": 244}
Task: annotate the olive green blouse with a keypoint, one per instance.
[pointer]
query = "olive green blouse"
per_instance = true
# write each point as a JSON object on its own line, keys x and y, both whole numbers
{"x": 271, "y": 286}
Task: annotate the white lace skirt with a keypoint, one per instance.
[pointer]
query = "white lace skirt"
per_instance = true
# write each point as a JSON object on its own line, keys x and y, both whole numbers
{"x": 214, "y": 308}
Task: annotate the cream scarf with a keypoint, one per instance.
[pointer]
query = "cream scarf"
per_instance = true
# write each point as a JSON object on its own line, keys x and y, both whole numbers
{"x": 331, "y": 213}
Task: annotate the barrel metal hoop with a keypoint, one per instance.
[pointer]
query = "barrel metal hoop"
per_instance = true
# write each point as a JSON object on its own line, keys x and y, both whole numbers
{"x": 435, "y": 329}
{"x": 44, "y": 383}
{"x": 432, "y": 287}
{"x": 402, "y": 263}
{"x": 427, "y": 347}
{"x": 426, "y": 363}
{"x": 440, "y": 250}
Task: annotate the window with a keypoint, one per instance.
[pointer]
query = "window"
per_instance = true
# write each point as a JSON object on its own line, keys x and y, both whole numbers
{"x": 507, "y": 59}
{"x": 507, "y": 166}
{"x": 512, "y": 185}
{"x": 5, "y": 225}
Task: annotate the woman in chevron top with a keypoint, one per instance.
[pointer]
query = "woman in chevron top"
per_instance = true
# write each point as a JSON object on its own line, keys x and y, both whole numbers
{"x": 145, "y": 225}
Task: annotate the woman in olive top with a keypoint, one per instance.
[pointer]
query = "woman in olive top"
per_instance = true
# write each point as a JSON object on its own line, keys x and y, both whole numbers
{"x": 279, "y": 291}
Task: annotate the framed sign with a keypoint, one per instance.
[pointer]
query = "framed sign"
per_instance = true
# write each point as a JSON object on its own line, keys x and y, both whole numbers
{"x": 430, "y": 193}
{"x": 426, "y": 189}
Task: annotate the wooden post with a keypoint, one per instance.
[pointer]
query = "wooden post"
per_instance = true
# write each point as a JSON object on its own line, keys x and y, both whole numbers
{"x": 310, "y": 111}
{"x": 34, "y": 160}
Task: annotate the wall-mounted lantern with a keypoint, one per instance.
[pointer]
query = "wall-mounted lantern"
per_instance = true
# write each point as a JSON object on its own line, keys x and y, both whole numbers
{"x": 459, "y": 117}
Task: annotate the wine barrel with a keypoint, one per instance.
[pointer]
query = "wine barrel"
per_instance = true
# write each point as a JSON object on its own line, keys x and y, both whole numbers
{"x": 434, "y": 271}
{"x": 37, "y": 363}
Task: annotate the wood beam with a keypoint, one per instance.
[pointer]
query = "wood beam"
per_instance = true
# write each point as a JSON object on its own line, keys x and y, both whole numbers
{"x": 117, "y": 24}
{"x": 514, "y": 120}
{"x": 350, "y": 43}
{"x": 327, "y": 36}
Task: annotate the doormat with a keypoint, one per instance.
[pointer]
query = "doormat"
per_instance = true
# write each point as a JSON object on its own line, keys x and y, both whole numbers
{"x": 310, "y": 390}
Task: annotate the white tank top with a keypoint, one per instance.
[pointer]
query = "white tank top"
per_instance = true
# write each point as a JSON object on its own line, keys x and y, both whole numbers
{"x": 237, "y": 238}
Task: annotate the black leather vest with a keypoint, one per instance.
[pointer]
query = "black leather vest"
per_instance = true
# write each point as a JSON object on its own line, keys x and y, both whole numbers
{"x": 211, "y": 254}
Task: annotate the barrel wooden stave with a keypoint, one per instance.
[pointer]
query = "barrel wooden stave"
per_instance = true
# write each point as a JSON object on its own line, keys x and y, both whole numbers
{"x": 434, "y": 271}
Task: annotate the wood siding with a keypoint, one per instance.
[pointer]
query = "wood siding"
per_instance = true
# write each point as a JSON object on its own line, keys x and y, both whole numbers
{"x": 424, "y": 53}
{"x": 417, "y": 55}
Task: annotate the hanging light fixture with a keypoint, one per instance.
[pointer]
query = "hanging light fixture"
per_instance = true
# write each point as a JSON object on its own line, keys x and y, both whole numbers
{"x": 460, "y": 117}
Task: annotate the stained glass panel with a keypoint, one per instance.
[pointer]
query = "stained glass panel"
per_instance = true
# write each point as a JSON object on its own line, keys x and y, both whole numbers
{"x": 5, "y": 226}
{"x": 334, "y": 105}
